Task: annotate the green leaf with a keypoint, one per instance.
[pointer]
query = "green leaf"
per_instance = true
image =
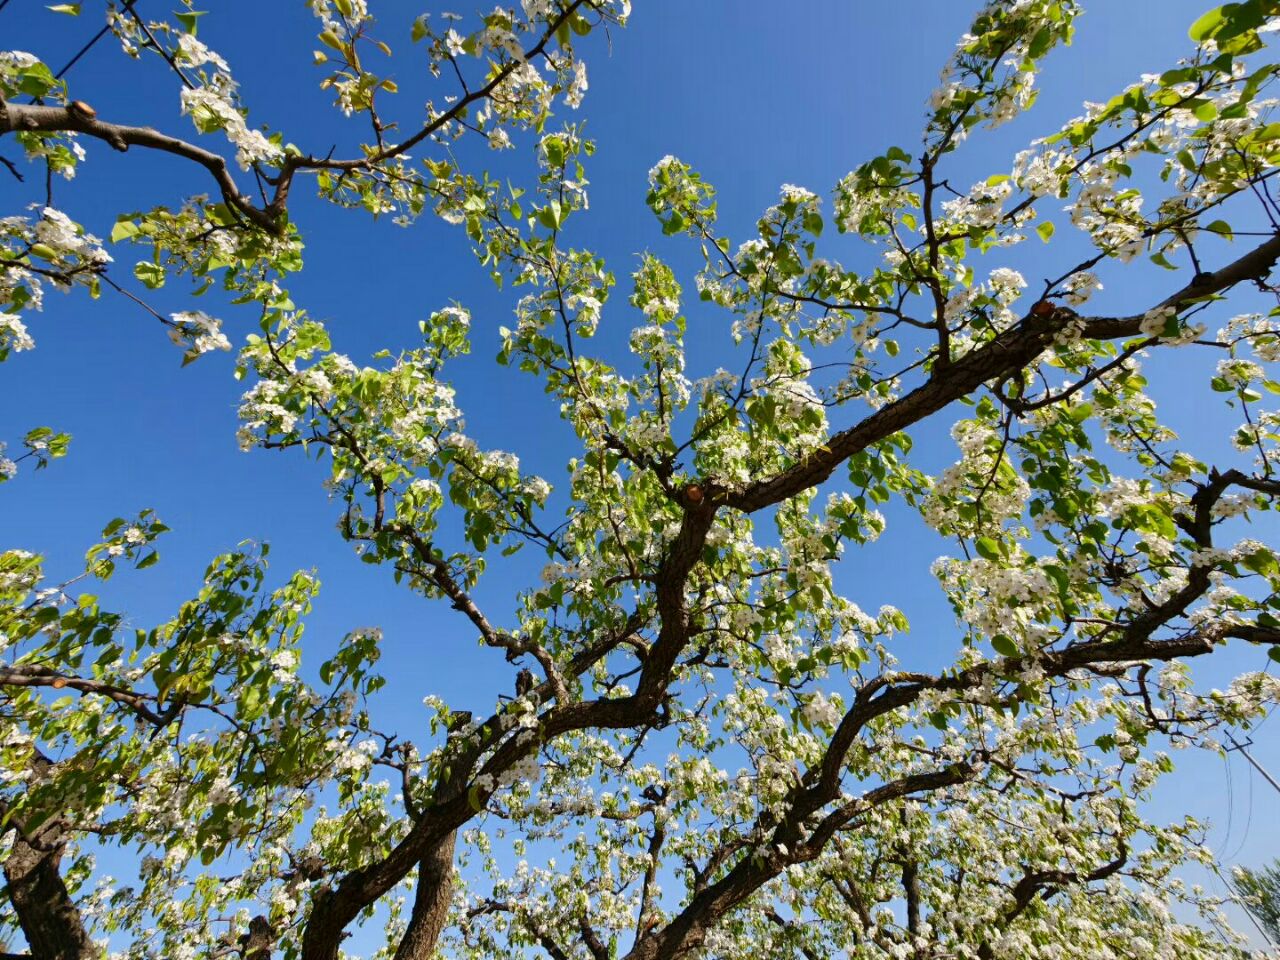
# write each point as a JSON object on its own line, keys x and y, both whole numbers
{"x": 1233, "y": 26}
{"x": 549, "y": 216}
{"x": 1080, "y": 412}
{"x": 70, "y": 9}
{"x": 1205, "y": 110}
{"x": 190, "y": 20}
{"x": 124, "y": 229}
{"x": 987, "y": 548}
{"x": 554, "y": 148}
{"x": 151, "y": 274}
{"x": 1207, "y": 25}
{"x": 1261, "y": 562}
{"x": 1005, "y": 646}
{"x": 1220, "y": 227}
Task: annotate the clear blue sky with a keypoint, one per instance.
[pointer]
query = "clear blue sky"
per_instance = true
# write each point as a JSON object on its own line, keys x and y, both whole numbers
{"x": 752, "y": 93}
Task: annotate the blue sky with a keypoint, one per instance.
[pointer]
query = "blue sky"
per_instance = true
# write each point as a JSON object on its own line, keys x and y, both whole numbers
{"x": 753, "y": 94}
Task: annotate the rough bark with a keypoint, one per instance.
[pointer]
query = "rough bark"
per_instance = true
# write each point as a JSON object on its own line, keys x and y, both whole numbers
{"x": 430, "y": 903}
{"x": 49, "y": 918}
{"x": 79, "y": 118}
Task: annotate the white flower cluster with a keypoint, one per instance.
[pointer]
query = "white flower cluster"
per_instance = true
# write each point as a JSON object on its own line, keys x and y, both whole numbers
{"x": 260, "y": 410}
{"x": 982, "y": 478}
{"x": 1121, "y": 495}
{"x": 860, "y": 204}
{"x": 1260, "y": 333}
{"x": 1079, "y": 287}
{"x": 193, "y": 53}
{"x": 976, "y": 83}
{"x": 822, "y": 711}
{"x": 1015, "y": 97}
{"x": 578, "y": 86}
{"x": 198, "y": 332}
{"x": 213, "y": 107}
{"x": 1156, "y": 322}
{"x": 1238, "y": 373}
{"x": 284, "y": 667}
{"x": 354, "y": 759}
{"x": 13, "y": 334}
{"x": 335, "y": 21}
{"x": 213, "y": 102}
{"x": 982, "y": 206}
{"x": 69, "y": 254}
{"x": 997, "y": 598}
{"x": 1112, "y": 218}
{"x": 1042, "y": 171}
{"x": 13, "y": 60}
{"x": 56, "y": 230}
{"x": 1260, "y": 435}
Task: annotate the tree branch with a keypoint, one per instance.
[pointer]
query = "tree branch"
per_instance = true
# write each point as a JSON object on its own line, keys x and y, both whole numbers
{"x": 18, "y": 117}
{"x": 1007, "y": 353}
{"x": 50, "y": 920}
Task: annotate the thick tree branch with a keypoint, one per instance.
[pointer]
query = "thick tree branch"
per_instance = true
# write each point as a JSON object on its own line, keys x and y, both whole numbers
{"x": 1007, "y": 353}
{"x": 793, "y": 929}
{"x": 434, "y": 892}
{"x": 1043, "y": 884}
{"x": 27, "y": 675}
{"x": 791, "y": 842}
{"x": 18, "y": 117}
{"x": 50, "y": 920}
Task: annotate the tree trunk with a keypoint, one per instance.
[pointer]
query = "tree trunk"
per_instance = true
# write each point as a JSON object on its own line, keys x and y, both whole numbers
{"x": 430, "y": 903}
{"x": 49, "y": 918}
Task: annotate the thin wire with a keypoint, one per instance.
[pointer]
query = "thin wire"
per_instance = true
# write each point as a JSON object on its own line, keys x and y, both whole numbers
{"x": 155, "y": 44}
{"x": 1270, "y": 711}
{"x": 1236, "y": 899}
{"x": 83, "y": 50}
{"x": 87, "y": 47}
{"x": 3, "y": 4}
{"x": 1248, "y": 820}
{"x": 48, "y": 165}
{"x": 1222, "y": 844}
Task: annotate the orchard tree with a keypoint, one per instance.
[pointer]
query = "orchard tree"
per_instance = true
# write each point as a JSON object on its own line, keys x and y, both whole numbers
{"x": 1259, "y": 892}
{"x": 697, "y": 746}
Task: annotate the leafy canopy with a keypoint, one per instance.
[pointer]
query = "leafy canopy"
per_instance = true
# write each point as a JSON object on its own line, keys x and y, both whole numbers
{"x": 701, "y": 747}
